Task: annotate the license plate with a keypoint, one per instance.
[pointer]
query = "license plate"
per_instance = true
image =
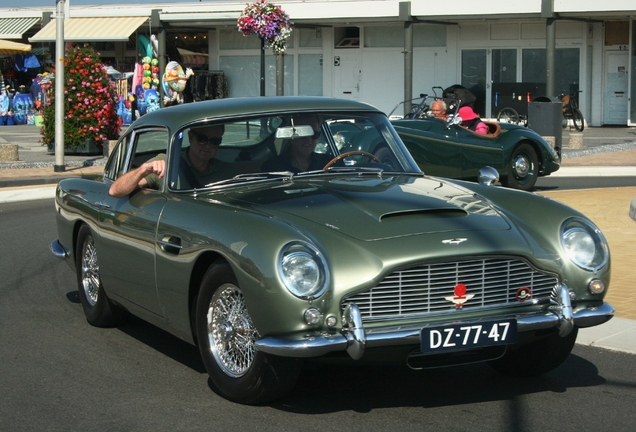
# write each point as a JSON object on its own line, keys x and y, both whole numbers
{"x": 470, "y": 335}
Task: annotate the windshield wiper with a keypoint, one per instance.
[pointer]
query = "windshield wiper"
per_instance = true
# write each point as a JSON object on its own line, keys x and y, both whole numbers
{"x": 241, "y": 178}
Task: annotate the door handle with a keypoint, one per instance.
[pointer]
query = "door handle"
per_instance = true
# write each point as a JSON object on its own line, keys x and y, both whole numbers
{"x": 170, "y": 244}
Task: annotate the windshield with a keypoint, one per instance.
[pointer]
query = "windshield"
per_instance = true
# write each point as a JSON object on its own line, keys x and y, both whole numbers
{"x": 212, "y": 154}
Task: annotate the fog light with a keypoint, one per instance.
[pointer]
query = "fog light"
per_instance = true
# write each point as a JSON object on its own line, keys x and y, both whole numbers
{"x": 331, "y": 321}
{"x": 596, "y": 286}
{"x": 312, "y": 316}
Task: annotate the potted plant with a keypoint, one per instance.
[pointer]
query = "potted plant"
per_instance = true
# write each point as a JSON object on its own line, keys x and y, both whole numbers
{"x": 90, "y": 104}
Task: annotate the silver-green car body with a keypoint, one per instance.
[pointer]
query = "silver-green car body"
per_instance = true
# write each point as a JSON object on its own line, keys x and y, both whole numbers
{"x": 335, "y": 262}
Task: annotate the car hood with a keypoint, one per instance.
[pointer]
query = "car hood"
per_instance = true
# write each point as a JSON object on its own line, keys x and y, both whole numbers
{"x": 372, "y": 208}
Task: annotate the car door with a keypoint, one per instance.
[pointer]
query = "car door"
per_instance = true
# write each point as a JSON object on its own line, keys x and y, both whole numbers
{"x": 128, "y": 225}
{"x": 477, "y": 151}
{"x": 433, "y": 146}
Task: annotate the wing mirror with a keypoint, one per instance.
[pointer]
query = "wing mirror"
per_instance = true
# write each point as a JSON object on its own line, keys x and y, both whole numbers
{"x": 488, "y": 176}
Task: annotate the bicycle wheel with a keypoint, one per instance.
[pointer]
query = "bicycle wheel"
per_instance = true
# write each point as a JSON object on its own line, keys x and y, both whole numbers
{"x": 508, "y": 115}
{"x": 577, "y": 118}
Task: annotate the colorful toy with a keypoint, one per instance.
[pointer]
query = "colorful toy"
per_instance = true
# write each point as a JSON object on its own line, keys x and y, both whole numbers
{"x": 174, "y": 82}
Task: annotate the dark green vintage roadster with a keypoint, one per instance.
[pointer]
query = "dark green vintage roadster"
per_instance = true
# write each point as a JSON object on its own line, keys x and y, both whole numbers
{"x": 444, "y": 148}
{"x": 361, "y": 256}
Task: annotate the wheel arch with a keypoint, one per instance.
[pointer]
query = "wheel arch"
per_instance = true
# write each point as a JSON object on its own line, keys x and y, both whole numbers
{"x": 201, "y": 266}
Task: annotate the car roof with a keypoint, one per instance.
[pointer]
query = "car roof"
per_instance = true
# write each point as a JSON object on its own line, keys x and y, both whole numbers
{"x": 176, "y": 116}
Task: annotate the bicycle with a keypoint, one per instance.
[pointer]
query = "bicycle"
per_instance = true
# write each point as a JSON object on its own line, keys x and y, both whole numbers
{"x": 571, "y": 111}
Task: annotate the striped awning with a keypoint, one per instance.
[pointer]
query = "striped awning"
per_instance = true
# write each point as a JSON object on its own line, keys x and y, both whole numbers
{"x": 10, "y": 47}
{"x": 91, "y": 29}
{"x": 14, "y": 28}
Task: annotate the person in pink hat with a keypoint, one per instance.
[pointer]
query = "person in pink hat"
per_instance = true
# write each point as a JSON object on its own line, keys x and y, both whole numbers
{"x": 471, "y": 121}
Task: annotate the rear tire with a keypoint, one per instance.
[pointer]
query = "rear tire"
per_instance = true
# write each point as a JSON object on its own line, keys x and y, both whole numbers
{"x": 537, "y": 357}
{"x": 577, "y": 118}
{"x": 226, "y": 337}
{"x": 99, "y": 310}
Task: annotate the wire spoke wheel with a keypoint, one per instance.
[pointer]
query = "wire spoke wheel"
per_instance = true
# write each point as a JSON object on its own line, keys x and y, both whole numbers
{"x": 90, "y": 271}
{"x": 231, "y": 332}
{"x": 508, "y": 115}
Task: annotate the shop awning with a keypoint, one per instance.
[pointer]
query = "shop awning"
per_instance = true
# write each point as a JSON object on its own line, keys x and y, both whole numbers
{"x": 14, "y": 28}
{"x": 10, "y": 47}
{"x": 91, "y": 29}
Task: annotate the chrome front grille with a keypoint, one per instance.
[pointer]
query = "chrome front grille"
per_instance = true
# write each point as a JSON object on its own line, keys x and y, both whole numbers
{"x": 431, "y": 288}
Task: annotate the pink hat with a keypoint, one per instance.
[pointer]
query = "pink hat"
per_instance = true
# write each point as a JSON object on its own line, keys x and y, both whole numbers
{"x": 467, "y": 113}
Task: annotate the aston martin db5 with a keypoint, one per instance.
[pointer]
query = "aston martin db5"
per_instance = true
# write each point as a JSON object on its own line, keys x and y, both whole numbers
{"x": 260, "y": 241}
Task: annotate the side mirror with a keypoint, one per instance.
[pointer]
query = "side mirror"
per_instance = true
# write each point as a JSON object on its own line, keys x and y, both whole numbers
{"x": 488, "y": 176}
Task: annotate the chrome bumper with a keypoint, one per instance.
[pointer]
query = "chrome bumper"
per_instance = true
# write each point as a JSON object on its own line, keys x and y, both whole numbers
{"x": 59, "y": 250}
{"x": 355, "y": 339}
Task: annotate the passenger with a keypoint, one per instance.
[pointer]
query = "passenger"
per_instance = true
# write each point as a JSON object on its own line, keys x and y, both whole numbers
{"x": 199, "y": 161}
{"x": 471, "y": 121}
{"x": 438, "y": 108}
{"x": 299, "y": 155}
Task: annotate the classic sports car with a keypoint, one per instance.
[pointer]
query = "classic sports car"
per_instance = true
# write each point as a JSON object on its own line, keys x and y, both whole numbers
{"x": 356, "y": 260}
{"x": 446, "y": 149}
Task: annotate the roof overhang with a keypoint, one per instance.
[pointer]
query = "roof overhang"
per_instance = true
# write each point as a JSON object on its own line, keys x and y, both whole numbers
{"x": 92, "y": 29}
{"x": 14, "y": 28}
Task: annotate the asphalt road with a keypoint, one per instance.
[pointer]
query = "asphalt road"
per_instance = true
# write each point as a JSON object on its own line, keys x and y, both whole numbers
{"x": 57, "y": 373}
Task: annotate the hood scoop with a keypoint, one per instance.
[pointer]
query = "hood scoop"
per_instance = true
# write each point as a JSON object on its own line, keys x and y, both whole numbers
{"x": 423, "y": 214}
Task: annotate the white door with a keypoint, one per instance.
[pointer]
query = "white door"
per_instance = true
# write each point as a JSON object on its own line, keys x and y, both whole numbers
{"x": 347, "y": 73}
{"x": 616, "y": 85}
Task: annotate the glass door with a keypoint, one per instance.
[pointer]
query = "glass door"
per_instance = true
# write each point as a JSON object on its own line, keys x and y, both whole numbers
{"x": 474, "y": 78}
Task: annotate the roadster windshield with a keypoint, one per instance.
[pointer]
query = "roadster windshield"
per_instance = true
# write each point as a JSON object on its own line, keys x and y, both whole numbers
{"x": 261, "y": 148}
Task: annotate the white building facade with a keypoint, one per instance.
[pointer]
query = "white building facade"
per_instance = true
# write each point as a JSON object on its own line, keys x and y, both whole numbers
{"x": 377, "y": 50}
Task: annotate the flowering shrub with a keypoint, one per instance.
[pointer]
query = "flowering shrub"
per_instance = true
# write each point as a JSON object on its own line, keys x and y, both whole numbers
{"x": 90, "y": 101}
{"x": 269, "y": 22}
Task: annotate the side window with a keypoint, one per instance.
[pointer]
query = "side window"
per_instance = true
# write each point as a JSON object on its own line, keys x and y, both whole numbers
{"x": 116, "y": 164}
{"x": 149, "y": 144}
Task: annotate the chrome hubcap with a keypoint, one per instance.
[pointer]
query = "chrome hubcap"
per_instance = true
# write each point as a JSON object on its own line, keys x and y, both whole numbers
{"x": 521, "y": 166}
{"x": 90, "y": 271}
{"x": 231, "y": 333}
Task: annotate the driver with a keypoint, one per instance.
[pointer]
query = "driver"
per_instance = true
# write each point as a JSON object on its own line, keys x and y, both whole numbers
{"x": 299, "y": 155}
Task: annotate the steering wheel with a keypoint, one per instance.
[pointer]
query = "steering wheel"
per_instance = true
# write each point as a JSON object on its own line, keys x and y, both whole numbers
{"x": 351, "y": 153}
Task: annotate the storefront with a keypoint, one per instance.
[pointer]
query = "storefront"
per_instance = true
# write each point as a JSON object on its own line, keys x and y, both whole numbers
{"x": 357, "y": 49}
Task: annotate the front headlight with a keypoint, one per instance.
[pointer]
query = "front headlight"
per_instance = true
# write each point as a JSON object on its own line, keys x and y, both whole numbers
{"x": 584, "y": 244}
{"x": 303, "y": 270}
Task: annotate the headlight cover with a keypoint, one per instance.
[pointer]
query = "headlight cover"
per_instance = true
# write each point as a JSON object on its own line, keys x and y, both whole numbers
{"x": 303, "y": 270}
{"x": 584, "y": 244}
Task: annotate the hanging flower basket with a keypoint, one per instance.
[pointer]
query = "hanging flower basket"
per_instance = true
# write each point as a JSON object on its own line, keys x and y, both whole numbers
{"x": 269, "y": 22}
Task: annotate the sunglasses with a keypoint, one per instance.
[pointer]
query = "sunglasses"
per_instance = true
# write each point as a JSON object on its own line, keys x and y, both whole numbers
{"x": 205, "y": 140}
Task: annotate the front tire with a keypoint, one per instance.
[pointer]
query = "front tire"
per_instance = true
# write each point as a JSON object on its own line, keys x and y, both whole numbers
{"x": 99, "y": 310}
{"x": 523, "y": 168}
{"x": 226, "y": 338}
{"x": 537, "y": 357}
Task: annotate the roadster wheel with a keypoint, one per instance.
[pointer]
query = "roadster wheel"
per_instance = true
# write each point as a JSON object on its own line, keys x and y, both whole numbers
{"x": 98, "y": 309}
{"x": 227, "y": 336}
{"x": 523, "y": 168}
{"x": 536, "y": 357}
